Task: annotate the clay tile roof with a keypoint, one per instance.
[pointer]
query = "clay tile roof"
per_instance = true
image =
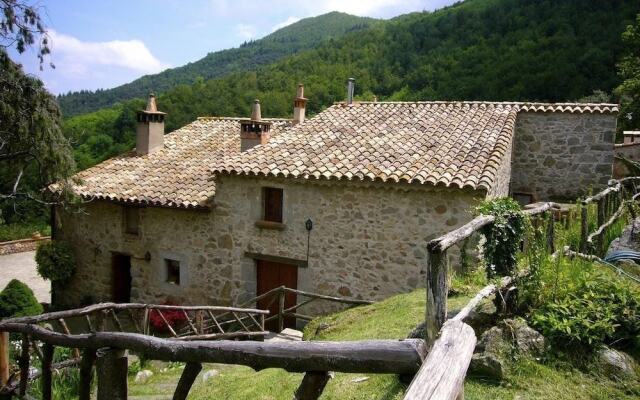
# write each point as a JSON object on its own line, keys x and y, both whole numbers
{"x": 460, "y": 144}
{"x": 452, "y": 144}
{"x": 177, "y": 175}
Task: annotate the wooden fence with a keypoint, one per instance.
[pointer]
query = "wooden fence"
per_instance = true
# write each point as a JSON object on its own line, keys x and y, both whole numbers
{"x": 451, "y": 343}
{"x": 302, "y": 299}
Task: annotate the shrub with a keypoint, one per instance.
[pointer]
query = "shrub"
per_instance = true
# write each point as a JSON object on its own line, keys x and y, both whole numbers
{"x": 175, "y": 318}
{"x": 503, "y": 236}
{"x": 598, "y": 311}
{"x": 17, "y": 300}
{"x": 55, "y": 261}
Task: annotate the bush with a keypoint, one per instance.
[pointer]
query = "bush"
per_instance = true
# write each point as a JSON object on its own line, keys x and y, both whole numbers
{"x": 503, "y": 236}
{"x": 175, "y": 318}
{"x": 17, "y": 300}
{"x": 55, "y": 261}
{"x": 598, "y": 311}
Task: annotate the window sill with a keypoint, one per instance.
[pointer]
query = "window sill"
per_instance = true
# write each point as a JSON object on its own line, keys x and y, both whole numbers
{"x": 278, "y": 226}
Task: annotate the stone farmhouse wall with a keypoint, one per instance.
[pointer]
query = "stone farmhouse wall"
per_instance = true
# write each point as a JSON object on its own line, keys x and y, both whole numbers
{"x": 556, "y": 155}
{"x": 368, "y": 241}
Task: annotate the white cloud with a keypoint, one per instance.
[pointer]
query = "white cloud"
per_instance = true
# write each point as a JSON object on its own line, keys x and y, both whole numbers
{"x": 289, "y": 21}
{"x": 80, "y": 57}
{"x": 245, "y": 31}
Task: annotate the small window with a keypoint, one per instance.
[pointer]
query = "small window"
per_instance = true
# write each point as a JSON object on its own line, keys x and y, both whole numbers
{"x": 131, "y": 220}
{"x": 272, "y": 204}
{"x": 173, "y": 271}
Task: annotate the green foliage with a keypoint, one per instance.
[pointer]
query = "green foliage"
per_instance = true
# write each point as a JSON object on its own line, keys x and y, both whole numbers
{"x": 503, "y": 236}
{"x": 23, "y": 230}
{"x": 56, "y": 261}
{"x": 629, "y": 70}
{"x": 33, "y": 150}
{"x": 302, "y": 35}
{"x": 599, "y": 310}
{"x": 17, "y": 300}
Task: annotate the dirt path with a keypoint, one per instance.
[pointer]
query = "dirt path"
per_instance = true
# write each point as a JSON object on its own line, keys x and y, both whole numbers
{"x": 22, "y": 266}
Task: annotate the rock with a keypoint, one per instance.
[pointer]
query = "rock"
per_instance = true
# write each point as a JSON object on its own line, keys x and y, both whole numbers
{"x": 487, "y": 365}
{"x": 143, "y": 376}
{"x": 616, "y": 364}
{"x": 527, "y": 340}
{"x": 210, "y": 374}
{"x": 482, "y": 317}
{"x": 492, "y": 341}
{"x": 322, "y": 327}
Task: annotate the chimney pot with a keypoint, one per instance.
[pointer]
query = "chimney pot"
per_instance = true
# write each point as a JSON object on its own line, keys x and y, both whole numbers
{"x": 254, "y": 131}
{"x": 255, "y": 111}
{"x": 350, "y": 89}
{"x": 299, "y": 105}
{"x": 150, "y": 129}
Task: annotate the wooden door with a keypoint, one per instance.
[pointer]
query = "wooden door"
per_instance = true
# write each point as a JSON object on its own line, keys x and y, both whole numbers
{"x": 270, "y": 275}
{"x": 121, "y": 278}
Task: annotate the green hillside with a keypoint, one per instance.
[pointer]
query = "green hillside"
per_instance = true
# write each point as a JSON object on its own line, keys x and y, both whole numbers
{"x": 543, "y": 50}
{"x": 302, "y": 35}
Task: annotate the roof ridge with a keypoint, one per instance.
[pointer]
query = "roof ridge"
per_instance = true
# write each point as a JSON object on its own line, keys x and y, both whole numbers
{"x": 477, "y": 102}
{"x": 215, "y": 118}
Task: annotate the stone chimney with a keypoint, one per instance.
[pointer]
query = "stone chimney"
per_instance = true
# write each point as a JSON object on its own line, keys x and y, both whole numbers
{"x": 254, "y": 131}
{"x": 299, "y": 105}
{"x": 351, "y": 86}
{"x": 150, "y": 130}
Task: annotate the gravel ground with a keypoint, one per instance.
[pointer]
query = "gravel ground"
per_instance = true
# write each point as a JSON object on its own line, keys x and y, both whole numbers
{"x": 22, "y": 266}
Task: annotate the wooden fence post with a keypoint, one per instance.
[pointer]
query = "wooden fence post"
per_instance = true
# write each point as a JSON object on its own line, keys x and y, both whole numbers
{"x": 601, "y": 220}
{"x": 86, "y": 373}
{"x": 189, "y": 375}
{"x": 584, "y": 227}
{"x": 47, "y": 360}
{"x": 281, "y": 298}
{"x": 312, "y": 385}
{"x": 23, "y": 362}
{"x": 436, "y": 314}
{"x": 111, "y": 367}
{"x": 4, "y": 358}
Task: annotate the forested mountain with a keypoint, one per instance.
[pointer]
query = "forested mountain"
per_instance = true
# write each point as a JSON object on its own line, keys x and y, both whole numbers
{"x": 545, "y": 50}
{"x": 304, "y": 34}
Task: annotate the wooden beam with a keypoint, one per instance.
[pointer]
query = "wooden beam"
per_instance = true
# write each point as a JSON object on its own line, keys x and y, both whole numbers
{"x": 437, "y": 290}
{"x": 369, "y": 356}
{"x": 281, "y": 299}
{"x": 86, "y": 373}
{"x": 111, "y": 368}
{"x": 312, "y": 385}
{"x": 4, "y": 358}
{"x": 189, "y": 375}
{"x": 442, "y": 375}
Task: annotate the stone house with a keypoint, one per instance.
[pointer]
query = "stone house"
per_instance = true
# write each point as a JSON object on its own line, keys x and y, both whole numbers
{"x": 341, "y": 204}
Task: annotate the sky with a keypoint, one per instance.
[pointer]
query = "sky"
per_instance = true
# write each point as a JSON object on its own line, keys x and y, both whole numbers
{"x": 103, "y": 44}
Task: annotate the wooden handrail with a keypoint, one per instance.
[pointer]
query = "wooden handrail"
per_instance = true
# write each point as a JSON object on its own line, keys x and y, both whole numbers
{"x": 369, "y": 356}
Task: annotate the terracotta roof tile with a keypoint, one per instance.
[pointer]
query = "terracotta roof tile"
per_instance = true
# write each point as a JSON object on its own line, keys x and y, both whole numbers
{"x": 177, "y": 175}
{"x": 453, "y": 144}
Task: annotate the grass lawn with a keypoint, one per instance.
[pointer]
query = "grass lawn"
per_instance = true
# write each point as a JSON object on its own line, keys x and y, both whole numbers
{"x": 392, "y": 318}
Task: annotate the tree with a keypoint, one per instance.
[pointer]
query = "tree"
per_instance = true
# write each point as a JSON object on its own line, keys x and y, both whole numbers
{"x": 22, "y": 27}
{"x": 629, "y": 70}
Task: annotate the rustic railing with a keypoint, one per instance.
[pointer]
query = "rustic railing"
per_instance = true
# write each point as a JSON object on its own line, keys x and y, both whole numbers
{"x": 107, "y": 350}
{"x": 452, "y": 343}
{"x": 201, "y": 323}
{"x": 302, "y": 299}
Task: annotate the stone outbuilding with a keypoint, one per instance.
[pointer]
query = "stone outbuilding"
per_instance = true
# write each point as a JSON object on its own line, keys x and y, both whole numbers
{"x": 343, "y": 203}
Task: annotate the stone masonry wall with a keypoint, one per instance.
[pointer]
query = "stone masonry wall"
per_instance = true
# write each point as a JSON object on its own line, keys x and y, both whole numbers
{"x": 368, "y": 241}
{"x": 557, "y": 155}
